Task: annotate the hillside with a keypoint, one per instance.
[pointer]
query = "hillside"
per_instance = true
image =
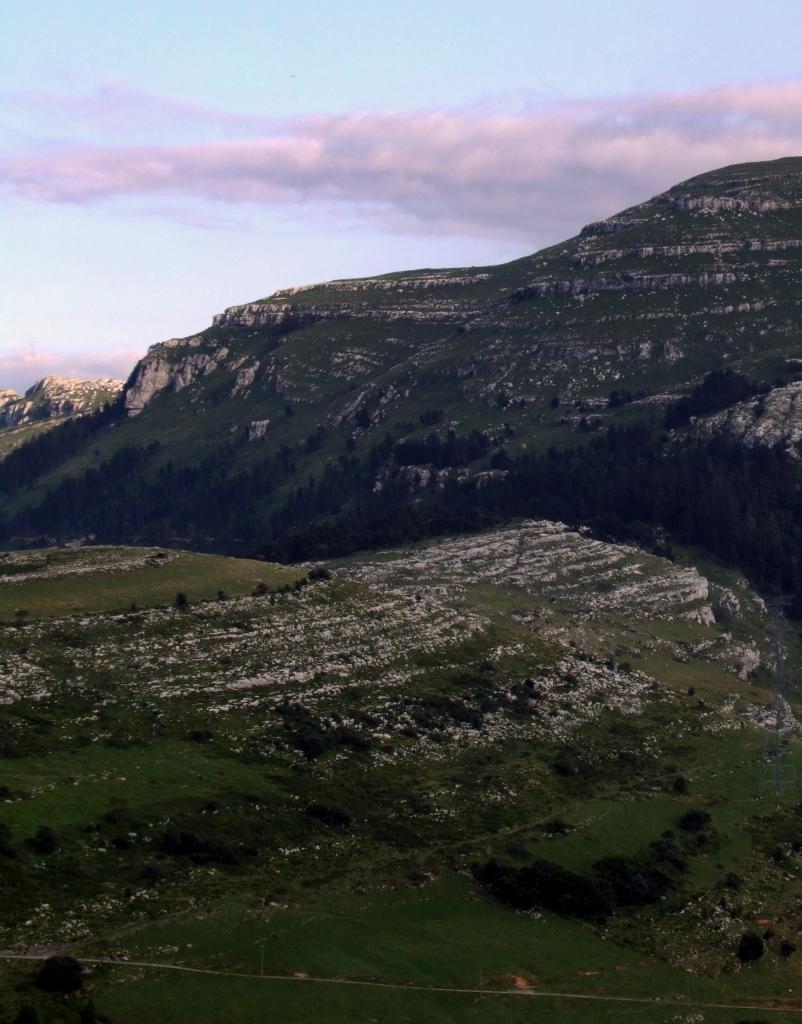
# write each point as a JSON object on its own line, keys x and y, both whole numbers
{"x": 47, "y": 403}
{"x": 282, "y": 426}
{"x": 309, "y": 781}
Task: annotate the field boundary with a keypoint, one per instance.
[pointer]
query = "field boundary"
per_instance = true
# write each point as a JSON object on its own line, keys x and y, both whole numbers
{"x": 530, "y": 993}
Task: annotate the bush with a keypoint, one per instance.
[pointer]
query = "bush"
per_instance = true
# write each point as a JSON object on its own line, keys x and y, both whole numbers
{"x": 200, "y": 735}
{"x": 695, "y": 820}
{"x": 6, "y": 841}
{"x": 151, "y": 874}
{"x": 198, "y": 849}
{"x": 334, "y": 817}
{"x": 60, "y": 974}
{"x": 27, "y": 1015}
{"x": 629, "y": 883}
{"x": 750, "y": 948}
{"x": 45, "y": 841}
{"x": 181, "y": 600}
{"x": 547, "y": 885}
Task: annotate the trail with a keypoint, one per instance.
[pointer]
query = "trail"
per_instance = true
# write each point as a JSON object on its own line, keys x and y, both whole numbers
{"x": 525, "y": 993}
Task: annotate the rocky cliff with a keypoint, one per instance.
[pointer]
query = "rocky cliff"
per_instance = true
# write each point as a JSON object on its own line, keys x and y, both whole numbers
{"x": 55, "y": 398}
{"x": 47, "y": 402}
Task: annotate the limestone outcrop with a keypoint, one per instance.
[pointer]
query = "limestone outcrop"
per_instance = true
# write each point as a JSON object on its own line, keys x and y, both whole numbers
{"x": 55, "y": 397}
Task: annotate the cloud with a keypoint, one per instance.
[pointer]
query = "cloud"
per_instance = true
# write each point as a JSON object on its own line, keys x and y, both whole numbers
{"x": 117, "y": 110}
{"x": 22, "y": 366}
{"x": 536, "y": 174}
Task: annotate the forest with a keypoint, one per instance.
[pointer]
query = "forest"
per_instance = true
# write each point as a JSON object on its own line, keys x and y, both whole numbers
{"x": 742, "y": 505}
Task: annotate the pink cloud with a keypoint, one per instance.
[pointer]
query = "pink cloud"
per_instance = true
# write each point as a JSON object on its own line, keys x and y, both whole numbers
{"x": 537, "y": 174}
{"x": 20, "y": 367}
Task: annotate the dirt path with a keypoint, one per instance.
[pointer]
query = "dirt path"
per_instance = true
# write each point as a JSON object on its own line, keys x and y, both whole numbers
{"x": 526, "y": 993}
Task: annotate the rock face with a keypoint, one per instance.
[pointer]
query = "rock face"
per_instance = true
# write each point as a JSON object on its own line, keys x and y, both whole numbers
{"x": 172, "y": 364}
{"x": 55, "y": 398}
{"x": 771, "y": 419}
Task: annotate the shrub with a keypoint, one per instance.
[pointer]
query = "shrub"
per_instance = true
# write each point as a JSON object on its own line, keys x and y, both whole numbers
{"x": 198, "y": 849}
{"x": 629, "y": 883}
{"x": 151, "y": 874}
{"x": 547, "y": 885}
{"x": 750, "y": 948}
{"x": 334, "y": 817}
{"x": 200, "y": 735}
{"x": 181, "y": 600}
{"x": 6, "y": 841}
{"x": 787, "y": 949}
{"x": 45, "y": 841}
{"x": 61, "y": 974}
{"x": 27, "y": 1015}
{"x": 694, "y": 820}
{"x": 680, "y": 785}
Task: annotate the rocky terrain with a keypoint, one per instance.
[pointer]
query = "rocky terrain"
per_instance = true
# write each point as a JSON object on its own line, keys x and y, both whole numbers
{"x": 300, "y": 761}
{"x": 49, "y": 401}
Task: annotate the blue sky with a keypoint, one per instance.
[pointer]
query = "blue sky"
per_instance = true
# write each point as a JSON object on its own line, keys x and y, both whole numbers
{"x": 160, "y": 161}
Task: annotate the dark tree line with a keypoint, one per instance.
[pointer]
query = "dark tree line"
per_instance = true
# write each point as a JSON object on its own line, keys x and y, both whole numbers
{"x": 456, "y": 450}
{"x": 744, "y": 506}
{"x": 718, "y": 390}
{"x": 27, "y": 463}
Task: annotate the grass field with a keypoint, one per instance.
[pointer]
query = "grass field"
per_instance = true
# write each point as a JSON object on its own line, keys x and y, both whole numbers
{"x": 56, "y": 582}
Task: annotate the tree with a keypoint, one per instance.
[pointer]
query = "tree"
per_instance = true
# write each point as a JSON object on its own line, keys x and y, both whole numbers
{"x": 750, "y": 948}
{"x": 60, "y": 974}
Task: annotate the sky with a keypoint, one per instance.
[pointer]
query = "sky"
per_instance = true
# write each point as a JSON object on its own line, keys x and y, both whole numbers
{"x": 162, "y": 160}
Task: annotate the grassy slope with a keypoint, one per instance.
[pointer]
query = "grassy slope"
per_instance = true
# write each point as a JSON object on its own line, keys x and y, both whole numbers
{"x": 154, "y": 579}
{"x": 108, "y": 757}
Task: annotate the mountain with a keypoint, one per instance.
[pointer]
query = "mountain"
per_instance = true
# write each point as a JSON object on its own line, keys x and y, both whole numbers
{"x": 518, "y": 689}
{"x": 298, "y": 409}
{"x": 47, "y": 403}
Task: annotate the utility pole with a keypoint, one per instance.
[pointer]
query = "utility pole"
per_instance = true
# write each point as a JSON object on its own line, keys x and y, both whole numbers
{"x": 261, "y": 944}
{"x": 777, "y": 773}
